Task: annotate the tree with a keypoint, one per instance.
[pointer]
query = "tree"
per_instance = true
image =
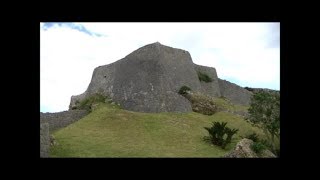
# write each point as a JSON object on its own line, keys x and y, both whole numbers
{"x": 264, "y": 112}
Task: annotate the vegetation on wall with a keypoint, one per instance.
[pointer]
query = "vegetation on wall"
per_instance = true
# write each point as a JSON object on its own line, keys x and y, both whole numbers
{"x": 204, "y": 77}
{"x": 87, "y": 103}
{"x": 184, "y": 89}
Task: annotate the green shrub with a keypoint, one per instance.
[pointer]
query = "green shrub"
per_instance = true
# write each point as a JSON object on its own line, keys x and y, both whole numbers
{"x": 204, "y": 77}
{"x": 264, "y": 112}
{"x": 254, "y": 137}
{"x": 223, "y": 97}
{"x": 249, "y": 89}
{"x": 258, "y": 147}
{"x": 217, "y": 133}
{"x": 274, "y": 149}
{"x": 183, "y": 90}
{"x": 89, "y": 101}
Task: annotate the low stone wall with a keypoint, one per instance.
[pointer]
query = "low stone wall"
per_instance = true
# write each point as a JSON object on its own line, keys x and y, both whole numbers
{"x": 61, "y": 119}
{"x": 53, "y": 121}
{"x": 44, "y": 140}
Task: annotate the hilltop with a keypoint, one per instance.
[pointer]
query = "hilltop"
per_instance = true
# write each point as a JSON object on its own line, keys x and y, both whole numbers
{"x": 109, "y": 131}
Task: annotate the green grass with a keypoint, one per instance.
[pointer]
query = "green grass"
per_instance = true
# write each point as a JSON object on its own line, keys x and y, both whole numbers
{"x": 227, "y": 105}
{"x": 109, "y": 131}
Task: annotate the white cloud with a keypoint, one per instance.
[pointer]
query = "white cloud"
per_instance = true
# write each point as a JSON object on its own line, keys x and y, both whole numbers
{"x": 240, "y": 52}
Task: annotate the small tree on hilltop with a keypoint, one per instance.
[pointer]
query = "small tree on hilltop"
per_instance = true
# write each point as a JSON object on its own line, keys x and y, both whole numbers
{"x": 264, "y": 112}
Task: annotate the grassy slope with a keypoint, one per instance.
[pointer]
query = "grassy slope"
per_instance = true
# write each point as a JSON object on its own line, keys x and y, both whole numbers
{"x": 113, "y": 132}
{"x": 227, "y": 105}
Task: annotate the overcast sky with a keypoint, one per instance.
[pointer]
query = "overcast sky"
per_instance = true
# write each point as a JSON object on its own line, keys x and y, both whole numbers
{"x": 247, "y": 54}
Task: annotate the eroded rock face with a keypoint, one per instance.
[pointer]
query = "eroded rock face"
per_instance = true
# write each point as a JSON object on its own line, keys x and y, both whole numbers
{"x": 243, "y": 150}
{"x": 148, "y": 80}
{"x": 201, "y": 103}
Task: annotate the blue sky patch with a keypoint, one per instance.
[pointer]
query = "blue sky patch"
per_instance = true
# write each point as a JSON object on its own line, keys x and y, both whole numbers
{"x": 78, "y": 27}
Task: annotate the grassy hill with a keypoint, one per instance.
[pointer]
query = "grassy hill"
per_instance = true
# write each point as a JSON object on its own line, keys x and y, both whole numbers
{"x": 110, "y": 131}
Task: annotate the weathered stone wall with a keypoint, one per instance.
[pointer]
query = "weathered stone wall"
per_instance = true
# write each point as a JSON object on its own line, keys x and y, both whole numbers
{"x": 148, "y": 80}
{"x": 44, "y": 140}
{"x": 234, "y": 93}
{"x": 61, "y": 119}
{"x": 209, "y": 88}
{"x": 53, "y": 121}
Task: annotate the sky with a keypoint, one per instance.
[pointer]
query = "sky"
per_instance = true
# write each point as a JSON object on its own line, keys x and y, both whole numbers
{"x": 247, "y": 54}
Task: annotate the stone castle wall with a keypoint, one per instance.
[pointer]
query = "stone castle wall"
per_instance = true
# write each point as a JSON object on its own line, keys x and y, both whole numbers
{"x": 209, "y": 88}
{"x": 148, "y": 80}
{"x": 61, "y": 119}
{"x": 44, "y": 140}
{"x": 236, "y": 94}
{"x": 52, "y": 121}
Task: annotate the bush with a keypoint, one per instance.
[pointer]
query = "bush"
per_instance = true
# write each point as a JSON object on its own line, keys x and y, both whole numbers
{"x": 254, "y": 137}
{"x": 223, "y": 97}
{"x": 274, "y": 149}
{"x": 183, "y": 90}
{"x": 249, "y": 89}
{"x": 261, "y": 144}
{"x": 204, "y": 77}
{"x": 258, "y": 147}
{"x": 217, "y": 133}
{"x": 87, "y": 103}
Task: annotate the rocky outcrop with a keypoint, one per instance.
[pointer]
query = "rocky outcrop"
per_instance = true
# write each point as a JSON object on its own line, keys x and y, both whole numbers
{"x": 148, "y": 80}
{"x": 243, "y": 150}
{"x": 201, "y": 103}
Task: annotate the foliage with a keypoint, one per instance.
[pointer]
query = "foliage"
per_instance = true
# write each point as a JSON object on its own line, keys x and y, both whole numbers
{"x": 257, "y": 147}
{"x": 264, "y": 112}
{"x": 87, "y": 103}
{"x": 249, "y": 89}
{"x": 204, "y": 77}
{"x": 261, "y": 144}
{"x": 273, "y": 147}
{"x": 253, "y": 136}
{"x": 218, "y": 131}
{"x": 183, "y": 90}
